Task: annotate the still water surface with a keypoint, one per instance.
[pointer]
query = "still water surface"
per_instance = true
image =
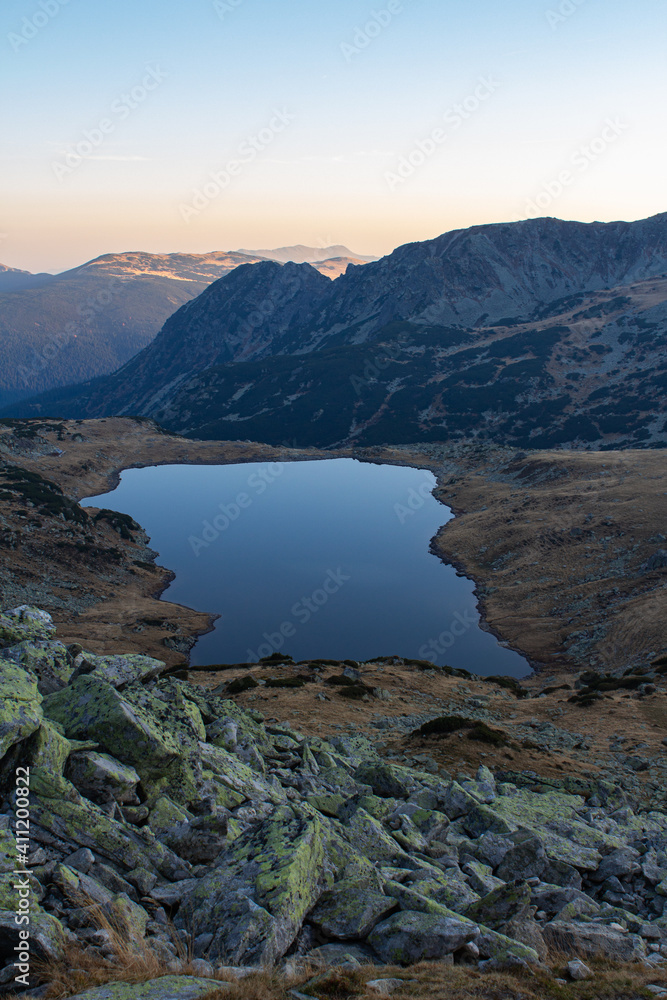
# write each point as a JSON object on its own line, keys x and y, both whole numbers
{"x": 324, "y": 559}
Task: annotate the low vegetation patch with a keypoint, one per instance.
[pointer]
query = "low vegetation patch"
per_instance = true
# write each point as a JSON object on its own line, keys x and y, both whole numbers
{"x": 592, "y": 686}
{"x": 122, "y": 523}
{"x": 509, "y": 683}
{"x": 485, "y": 734}
{"x": 286, "y": 682}
{"x": 242, "y": 684}
{"x": 448, "y": 724}
{"x": 349, "y": 688}
{"x": 444, "y": 726}
{"x": 44, "y": 495}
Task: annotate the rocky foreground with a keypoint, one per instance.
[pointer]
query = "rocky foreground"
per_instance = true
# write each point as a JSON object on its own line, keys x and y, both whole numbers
{"x": 170, "y": 813}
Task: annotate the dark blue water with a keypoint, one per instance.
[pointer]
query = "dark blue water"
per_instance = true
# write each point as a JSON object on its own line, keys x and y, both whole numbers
{"x": 322, "y": 559}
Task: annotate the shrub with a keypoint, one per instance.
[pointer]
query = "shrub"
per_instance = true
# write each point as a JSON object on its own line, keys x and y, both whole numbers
{"x": 509, "y": 683}
{"x": 242, "y": 684}
{"x": 484, "y": 734}
{"x": 445, "y": 725}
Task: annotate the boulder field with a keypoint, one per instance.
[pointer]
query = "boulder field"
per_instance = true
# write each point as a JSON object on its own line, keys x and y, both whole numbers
{"x": 176, "y": 815}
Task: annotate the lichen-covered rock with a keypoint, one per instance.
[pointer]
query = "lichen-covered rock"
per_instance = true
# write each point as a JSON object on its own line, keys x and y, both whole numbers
{"x": 594, "y": 941}
{"x": 48, "y": 660}
{"x": 122, "y": 670}
{"x": 86, "y": 825}
{"x": 449, "y": 888}
{"x": 48, "y": 938}
{"x": 130, "y": 728}
{"x": 409, "y": 937}
{"x": 386, "y": 780}
{"x": 371, "y": 839}
{"x": 257, "y": 898}
{"x": 508, "y": 902}
{"x": 526, "y": 859}
{"x": 481, "y": 819}
{"x": 165, "y": 988}
{"x": 20, "y": 705}
{"x": 25, "y": 623}
{"x": 126, "y": 916}
{"x": 457, "y": 801}
{"x": 48, "y": 748}
{"x": 100, "y": 777}
{"x": 351, "y": 909}
{"x": 504, "y": 952}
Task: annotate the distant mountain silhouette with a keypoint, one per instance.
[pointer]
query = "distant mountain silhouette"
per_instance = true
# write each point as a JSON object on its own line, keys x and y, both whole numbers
{"x": 300, "y": 254}
{"x": 60, "y": 329}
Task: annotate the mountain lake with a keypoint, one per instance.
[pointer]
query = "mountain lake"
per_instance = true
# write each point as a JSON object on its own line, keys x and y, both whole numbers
{"x": 325, "y": 559}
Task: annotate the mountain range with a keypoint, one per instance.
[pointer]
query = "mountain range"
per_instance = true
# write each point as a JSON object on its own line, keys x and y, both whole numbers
{"x": 56, "y": 330}
{"x": 538, "y": 333}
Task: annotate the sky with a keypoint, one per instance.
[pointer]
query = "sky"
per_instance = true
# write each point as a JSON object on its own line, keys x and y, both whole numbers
{"x": 200, "y": 125}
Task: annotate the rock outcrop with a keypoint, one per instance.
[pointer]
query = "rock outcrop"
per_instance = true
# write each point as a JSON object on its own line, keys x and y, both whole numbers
{"x": 161, "y": 805}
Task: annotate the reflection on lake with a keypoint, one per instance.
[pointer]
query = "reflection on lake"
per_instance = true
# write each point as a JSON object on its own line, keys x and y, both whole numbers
{"x": 325, "y": 559}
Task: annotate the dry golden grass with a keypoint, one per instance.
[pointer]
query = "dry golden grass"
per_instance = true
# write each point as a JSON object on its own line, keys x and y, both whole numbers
{"x": 81, "y": 970}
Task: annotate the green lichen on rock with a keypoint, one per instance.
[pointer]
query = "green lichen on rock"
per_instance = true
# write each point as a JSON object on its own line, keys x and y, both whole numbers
{"x": 165, "y": 988}
{"x": 351, "y": 909}
{"x": 20, "y": 705}
{"x": 409, "y": 937}
{"x": 48, "y": 748}
{"x": 48, "y": 660}
{"x": 25, "y": 623}
{"x": 100, "y": 777}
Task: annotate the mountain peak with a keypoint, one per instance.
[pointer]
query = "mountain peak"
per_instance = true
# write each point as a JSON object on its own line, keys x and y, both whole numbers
{"x": 300, "y": 254}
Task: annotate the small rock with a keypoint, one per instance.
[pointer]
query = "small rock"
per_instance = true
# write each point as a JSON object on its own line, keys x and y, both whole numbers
{"x": 82, "y": 860}
{"x": 199, "y": 967}
{"x": 385, "y": 987}
{"x": 578, "y": 971}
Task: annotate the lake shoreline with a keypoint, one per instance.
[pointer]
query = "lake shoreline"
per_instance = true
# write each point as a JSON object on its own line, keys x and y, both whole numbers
{"x": 548, "y": 621}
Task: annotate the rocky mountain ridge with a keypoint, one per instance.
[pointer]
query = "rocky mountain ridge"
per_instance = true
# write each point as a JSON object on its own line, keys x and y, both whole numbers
{"x": 538, "y": 333}
{"x": 59, "y": 329}
{"x": 154, "y": 800}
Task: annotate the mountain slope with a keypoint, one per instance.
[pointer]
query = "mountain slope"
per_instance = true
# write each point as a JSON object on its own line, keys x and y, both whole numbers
{"x": 539, "y": 333}
{"x": 13, "y": 280}
{"x": 61, "y": 329}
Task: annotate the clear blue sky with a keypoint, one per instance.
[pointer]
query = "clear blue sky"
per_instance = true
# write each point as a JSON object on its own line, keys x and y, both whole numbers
{"x": 347, "y": 167}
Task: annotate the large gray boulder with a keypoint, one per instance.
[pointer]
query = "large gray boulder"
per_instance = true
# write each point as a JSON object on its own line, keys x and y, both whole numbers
{"x": 351, "y": 909}
{"x": 256, "y": 900}
{"x": 594, "y": 941}
{"x": 25, "y": 623}
{"x": 409, "y": 937}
